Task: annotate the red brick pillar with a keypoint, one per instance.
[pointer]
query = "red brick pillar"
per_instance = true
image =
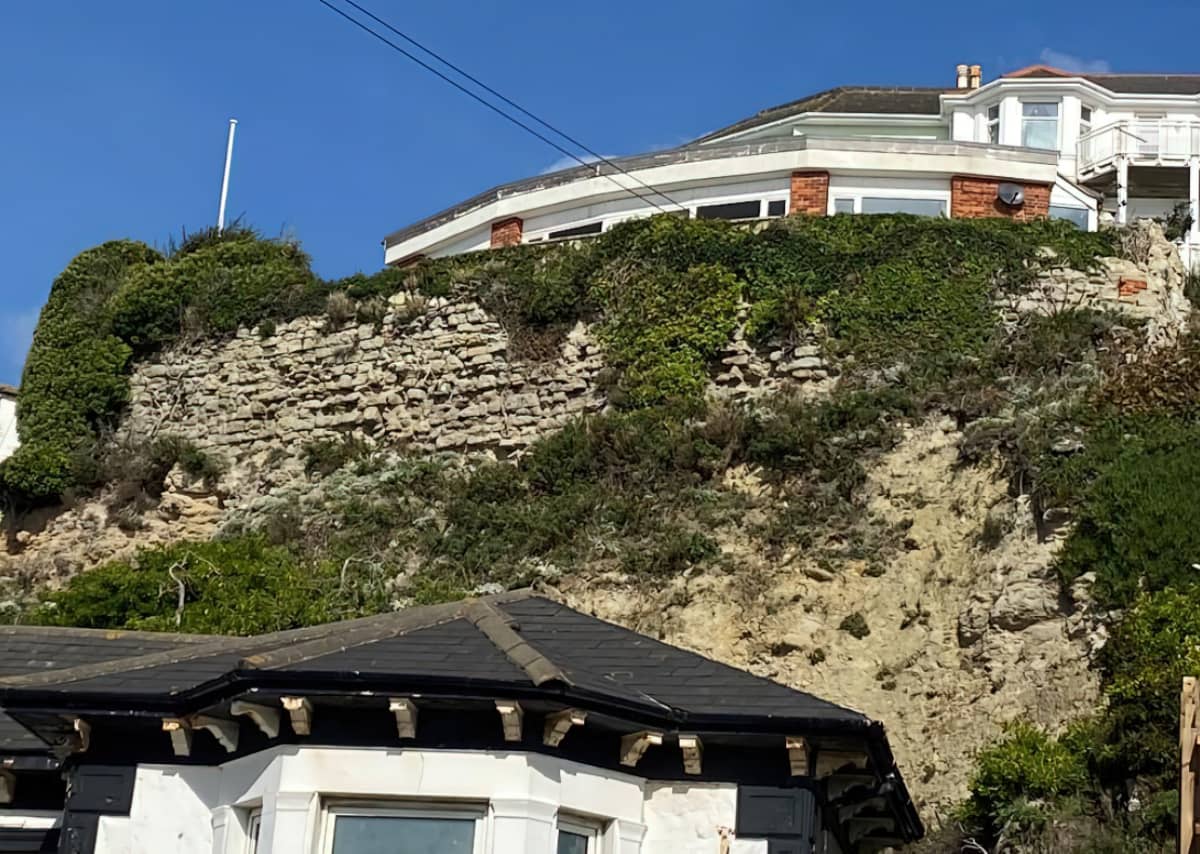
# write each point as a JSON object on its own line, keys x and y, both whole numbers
{"x": 507, "y": 232}
{"x": 810, "y": 193}
{"x": 973, "y": 197}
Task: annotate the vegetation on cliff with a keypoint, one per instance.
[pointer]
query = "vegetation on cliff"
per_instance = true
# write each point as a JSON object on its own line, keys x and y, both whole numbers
{"x": 907, "y": 311}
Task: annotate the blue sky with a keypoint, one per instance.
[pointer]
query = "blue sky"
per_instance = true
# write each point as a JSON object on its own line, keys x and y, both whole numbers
{"x": 113, "y": 117}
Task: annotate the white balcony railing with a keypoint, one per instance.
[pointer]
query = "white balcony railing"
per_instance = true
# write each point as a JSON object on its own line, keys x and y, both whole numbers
{"x": 1145, "y": 142}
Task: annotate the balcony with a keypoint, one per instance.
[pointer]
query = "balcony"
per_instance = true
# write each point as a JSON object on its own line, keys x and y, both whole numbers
{"x": 1155, "y": 142}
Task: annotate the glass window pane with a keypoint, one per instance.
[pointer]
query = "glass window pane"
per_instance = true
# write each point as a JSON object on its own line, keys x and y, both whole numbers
{"x": 1039, "y": 133}
{"x": 1077, "y": 216}
{"x": 1049, "y": 110}
{"x": 776, "y": 208}
{"x": 843, "y": 205}
{"x": 572, "y": 843}
{"x": 731, "y": 210}
{"x": 994, "y": 113}
{"x": 369, "y": 834}
{"x": 921, "y": 207}
{"x": 578, "y": 231}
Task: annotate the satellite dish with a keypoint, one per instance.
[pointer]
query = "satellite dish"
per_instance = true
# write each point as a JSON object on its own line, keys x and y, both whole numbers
{"x": 1012, "y": 195}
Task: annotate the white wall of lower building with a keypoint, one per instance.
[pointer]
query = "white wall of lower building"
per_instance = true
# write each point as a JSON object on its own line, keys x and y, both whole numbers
{"x": 520, "y": 798}
{"x": 8, "y": 426}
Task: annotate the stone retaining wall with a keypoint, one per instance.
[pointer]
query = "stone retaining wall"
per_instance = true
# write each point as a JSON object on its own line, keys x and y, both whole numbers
{"x": 440, "y": 381}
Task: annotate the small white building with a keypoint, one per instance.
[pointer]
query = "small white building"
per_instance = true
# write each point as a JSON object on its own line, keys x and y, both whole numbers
{"x": 1067, "y": 145}
{"x": 504, "y": 725}
{"x": 8, "y": 421}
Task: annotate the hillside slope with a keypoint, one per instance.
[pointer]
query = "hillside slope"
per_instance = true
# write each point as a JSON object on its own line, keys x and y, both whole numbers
{"x": 924, "y": 468}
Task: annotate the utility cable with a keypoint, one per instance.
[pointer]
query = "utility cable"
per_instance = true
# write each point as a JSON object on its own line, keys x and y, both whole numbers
{"x": 485, "y": 102}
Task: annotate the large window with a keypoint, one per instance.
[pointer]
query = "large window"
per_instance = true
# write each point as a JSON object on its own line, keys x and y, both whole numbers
{"x": 1076, "y": 216}
{"x": 1085, "y": 120}
{"x": 577, "y": 231}
{"x": 1039, "y": 124}
{"x": 575, "y": 837}
{"x": 730, "y": 210}
{"x": 382, "y": 830}
{"x": 921, "y": 207}
{"x": 993, "y": 124}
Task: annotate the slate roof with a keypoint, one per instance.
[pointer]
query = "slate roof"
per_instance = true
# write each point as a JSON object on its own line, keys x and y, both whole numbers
{"x": 515, "y": 640}
{"x": 26, "y": 650}
{"x": 889, "y": 100}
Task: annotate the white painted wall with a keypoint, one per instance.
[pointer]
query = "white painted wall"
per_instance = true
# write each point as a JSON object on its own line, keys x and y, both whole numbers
{"x": 8, "y": 426}
{"x": 720, "y": 179}
{"x": 199, "y": 810}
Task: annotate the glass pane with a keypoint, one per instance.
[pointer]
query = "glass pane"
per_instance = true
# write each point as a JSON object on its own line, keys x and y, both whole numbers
{"x": 994, "y": 113}
{"x": 572, "y": 843}
{"x": 843, "y": 205}
{"x": 777, "y": 208}
{"x": 366, "y": 834}
{"x": 994, "y": 133}
{"x": 1077, "y": 216}
{"x": 1049, "y": 111}
{"x": 1039, "y": 133}
{"x": 921, "y": 207}
{"x": 731, "y": 210}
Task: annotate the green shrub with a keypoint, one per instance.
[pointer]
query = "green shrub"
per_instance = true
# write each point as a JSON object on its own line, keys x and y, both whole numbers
{"x": 240, "y": 586}
{"x": 322, "y": 457}
{"x": 74, "y": 381}
{"x": 1026, "y": 765}
{"x": 1138, "y": 523}
{"x": 217, "y": 288}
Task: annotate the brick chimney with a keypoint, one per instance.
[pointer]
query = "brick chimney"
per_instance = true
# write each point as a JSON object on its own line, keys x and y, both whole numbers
{"x": 962, "y": 78}
{"x": 975, "y": 77}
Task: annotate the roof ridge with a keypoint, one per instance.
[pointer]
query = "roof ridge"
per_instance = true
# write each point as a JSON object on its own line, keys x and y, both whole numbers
{"x": 402, "y": 623}
{"x": 496, "y": 626}
{"x": 257, "y": 645}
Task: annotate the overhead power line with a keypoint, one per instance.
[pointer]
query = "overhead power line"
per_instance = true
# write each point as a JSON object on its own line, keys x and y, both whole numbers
{"x": 485, "y": 87}
{"x": 475, "y": 96}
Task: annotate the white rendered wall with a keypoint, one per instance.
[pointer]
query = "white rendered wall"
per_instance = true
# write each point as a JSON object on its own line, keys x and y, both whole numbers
{"x": 8, "y": 427}
{"x": 689, "y": 819}
{"x": 201, "y": 810}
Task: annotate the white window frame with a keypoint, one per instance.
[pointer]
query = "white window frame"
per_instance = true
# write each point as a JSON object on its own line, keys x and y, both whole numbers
{"x": 992, "y": 124}
{"x": 580, "y": 827}
{"x": 1085, "y": 125}
{"x": 253, "y": 831}
{"x": 1057, "y": 104}
{"x": 394, "y": 809}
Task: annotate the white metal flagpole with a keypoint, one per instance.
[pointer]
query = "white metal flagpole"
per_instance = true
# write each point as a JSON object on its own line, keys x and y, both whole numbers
{"x": 225, "y": 180}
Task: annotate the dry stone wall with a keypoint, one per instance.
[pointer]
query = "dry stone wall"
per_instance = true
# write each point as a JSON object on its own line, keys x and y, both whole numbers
{"x": 434, "y": 375}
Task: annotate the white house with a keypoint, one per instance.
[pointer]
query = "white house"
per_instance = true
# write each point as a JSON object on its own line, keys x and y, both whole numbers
{"x": 504, "y": 725}
{"x": 8, "y": 420}
{"x": 1064, "y": 145}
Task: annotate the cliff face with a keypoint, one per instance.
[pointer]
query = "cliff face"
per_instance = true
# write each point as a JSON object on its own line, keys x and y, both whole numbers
{"x": 950, "y": 626}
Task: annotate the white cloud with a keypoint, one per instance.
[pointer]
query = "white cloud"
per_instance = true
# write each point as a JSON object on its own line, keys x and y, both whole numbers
{"x": 1070, "y": 62}
{"x": 16, "y": 333}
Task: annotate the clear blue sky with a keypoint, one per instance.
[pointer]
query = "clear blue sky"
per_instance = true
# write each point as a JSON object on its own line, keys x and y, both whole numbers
{"x": 113, "y": 117}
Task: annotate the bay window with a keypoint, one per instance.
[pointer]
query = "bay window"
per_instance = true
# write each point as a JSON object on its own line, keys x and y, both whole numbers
{"x": 575, "y": 837}
{"x": 407, "y": 830}
{"x": 1039, "y": 124}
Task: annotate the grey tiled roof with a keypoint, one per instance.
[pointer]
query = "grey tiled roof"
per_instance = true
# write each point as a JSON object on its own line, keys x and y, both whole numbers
{"x": 515, "y": 639}
{"x": 28, "y": 650}
{"x": 888, "y": 100}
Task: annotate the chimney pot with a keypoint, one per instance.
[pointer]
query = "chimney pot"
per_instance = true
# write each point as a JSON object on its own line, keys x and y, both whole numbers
{"x": 962, "y": 79}
{"x": 976, "y": 76}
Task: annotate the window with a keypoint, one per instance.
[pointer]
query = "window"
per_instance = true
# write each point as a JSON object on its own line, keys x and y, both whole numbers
{"x": 730, "y": 210}
{"x": 1039, "y": 125}
{"x": 576, "y": 838}
{"x": 776, "y": 208}
{"x": 577, "y": 231}
{"x": 1077, "y": 216}
{"x": 253, "y": 829}
{"x": 920, "y": 207}
{"x": 383, "y": 830}
{"x": 843, "y": 206}
{"x": 1085, "y": 120}
{"x": 993, "y": 124}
